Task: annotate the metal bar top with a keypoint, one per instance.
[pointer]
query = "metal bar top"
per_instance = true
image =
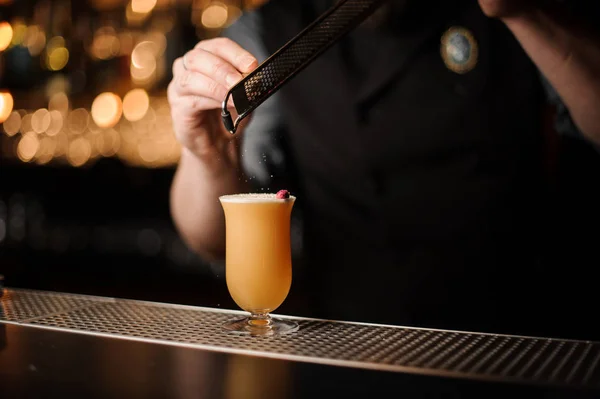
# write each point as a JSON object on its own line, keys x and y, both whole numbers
{"x": 469, "y": 355}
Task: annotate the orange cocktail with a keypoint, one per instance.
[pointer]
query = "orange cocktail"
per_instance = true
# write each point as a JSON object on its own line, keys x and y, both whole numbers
{"x": 258, "y": 260}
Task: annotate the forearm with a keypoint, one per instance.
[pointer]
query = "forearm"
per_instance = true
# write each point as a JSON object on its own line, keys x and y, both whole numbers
{"x": 569, "y": 59}
{"x": 195, "y": 206}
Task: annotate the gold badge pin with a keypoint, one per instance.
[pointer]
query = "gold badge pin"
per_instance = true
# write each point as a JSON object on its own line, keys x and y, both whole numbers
{"x": 459, "y": 50}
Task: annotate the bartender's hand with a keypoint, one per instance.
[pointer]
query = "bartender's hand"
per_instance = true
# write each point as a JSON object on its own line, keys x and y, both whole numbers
{"x": 504, "y": 8}
{"x": 201, "y": 80}
{"x": 565, "y": 49}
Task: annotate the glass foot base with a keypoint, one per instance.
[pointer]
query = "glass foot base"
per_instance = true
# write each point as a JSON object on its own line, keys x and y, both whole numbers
{"x": 260, "y": 325}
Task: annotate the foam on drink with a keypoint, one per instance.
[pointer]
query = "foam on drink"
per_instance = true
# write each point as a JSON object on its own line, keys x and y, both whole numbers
{"x": 253, "y": 197}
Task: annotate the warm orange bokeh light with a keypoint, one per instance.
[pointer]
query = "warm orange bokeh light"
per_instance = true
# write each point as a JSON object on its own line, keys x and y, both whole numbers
{"x": 40, "y": 120}
{"x": 79, "y": 151}
{"x": 142, "y": 6}
{"x": 135, "y": 104}
{"x": 28, "y": 146}
{"x": 6, "y": 35}
{"x": 106, "y": 110}
{"x": 59, "y": 102}
{"x": 12, "y": 124}
{"x": 6, "y": 105}
{"x": 215, "y": 16}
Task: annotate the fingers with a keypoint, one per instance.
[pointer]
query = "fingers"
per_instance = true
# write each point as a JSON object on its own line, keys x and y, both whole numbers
{"x": 200, "y": 86}
{"x": 213, "y": 66}
{"x": 192, "y": 105}
{"x": 210, "y": 70}
{"x": 186, "y": 82}
{"x": 231, "y": 52}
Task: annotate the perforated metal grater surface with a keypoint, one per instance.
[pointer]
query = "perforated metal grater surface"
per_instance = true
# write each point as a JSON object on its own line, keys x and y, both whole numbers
{"x": 294, "y": 56}
{"x": 424, "y": 351}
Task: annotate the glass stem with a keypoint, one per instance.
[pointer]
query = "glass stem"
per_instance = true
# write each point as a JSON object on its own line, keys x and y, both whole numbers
{"x": 260, "y": 320}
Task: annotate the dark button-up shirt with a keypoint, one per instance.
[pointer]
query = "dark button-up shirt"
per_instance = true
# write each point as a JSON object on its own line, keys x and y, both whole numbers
{"x": 421, "y": 191}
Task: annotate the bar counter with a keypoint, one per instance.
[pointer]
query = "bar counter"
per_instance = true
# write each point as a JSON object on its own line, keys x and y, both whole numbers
{"x": 68, "y": 345}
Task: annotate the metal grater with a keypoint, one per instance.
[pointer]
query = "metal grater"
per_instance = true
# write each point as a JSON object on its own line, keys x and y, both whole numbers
{"x": 294, "y": 56}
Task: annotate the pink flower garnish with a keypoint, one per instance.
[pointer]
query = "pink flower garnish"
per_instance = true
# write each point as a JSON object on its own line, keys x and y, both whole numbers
{"x": 283, "y": 194}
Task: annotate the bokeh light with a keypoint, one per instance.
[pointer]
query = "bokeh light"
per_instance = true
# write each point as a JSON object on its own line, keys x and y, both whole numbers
{"x": 57, "y": 55}
{"x": 35, "y": 40}
{"x": 234, "y": 13}
{"x": 93, "y": 83}
{"x": 142, "y": 6}
{"x": 58, "y": 58}
{"x": 19, "y": 29}
{"x": 157, "y": 42}
{"x": 12, "y": 124}
{"x": 143, "y": 62}
{"x": 106, "y": 110}
{"x": 110, "y": 143}
{"x": 135, "y": 18}
{"x": 6, "y": 105}
{"x": 135, "y": 104}
{"x": 28, "y": 146}
{"x": 106, "y": 43}
{"x": 6, "y": 35}
{"x": 62, "y": 144}
{"x": 26, "y": 123}
{"x": 46, "y": 149}
{"x": 215, "y": 15}
{"x": 79, "y": 151}
{"x": 56, "y": 123}
{"x": 78, "y": 120}
{"x": 59, "y": 102}
{"x": 40, "y": 120}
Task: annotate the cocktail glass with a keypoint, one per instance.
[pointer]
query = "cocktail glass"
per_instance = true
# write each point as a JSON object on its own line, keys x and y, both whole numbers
{"x": 258, "y": 261}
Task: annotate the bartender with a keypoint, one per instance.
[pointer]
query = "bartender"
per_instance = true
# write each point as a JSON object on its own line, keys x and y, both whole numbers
{"x": 419, "y": 150}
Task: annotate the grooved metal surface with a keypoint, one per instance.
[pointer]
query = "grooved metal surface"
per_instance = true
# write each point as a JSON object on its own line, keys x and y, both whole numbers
{"x": 299, "y": 52}
{"x": 451, "y": 353}
{"x": 24, "y": 305}
{"x": 305, "y": 46}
